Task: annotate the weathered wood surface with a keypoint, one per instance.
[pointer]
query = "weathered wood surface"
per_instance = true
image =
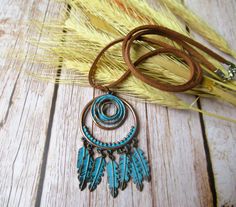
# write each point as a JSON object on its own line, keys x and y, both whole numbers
{"x": 192, "y": 157}
{"x": 221, "y": 135}
{"x": 25, "y": 104}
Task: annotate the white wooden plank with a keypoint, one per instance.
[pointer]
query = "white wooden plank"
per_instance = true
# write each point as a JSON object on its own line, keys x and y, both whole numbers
{"x": 61, "y": 187}
{"x": 24, "y": 104}
{"x": 221, "y": 135}
{"x": 178, "y": 158}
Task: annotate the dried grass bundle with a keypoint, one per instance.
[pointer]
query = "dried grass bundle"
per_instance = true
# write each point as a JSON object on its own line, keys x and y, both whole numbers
{"x": 90, "y": 25}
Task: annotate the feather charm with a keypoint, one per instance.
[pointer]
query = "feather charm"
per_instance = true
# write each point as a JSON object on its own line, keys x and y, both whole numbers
{"x": 82, "y": 153}
{"x": 141, "y": 160}
{"x": 136, "y": 174}
{"x": 124, "y": 170}
{"x": 113, "y": 177}
{"x": 85, "y": 171}
{"x": 97, "y": 172}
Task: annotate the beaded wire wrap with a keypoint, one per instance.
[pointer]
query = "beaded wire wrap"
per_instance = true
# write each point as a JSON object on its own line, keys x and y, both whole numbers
{"x": 114, "y": 145}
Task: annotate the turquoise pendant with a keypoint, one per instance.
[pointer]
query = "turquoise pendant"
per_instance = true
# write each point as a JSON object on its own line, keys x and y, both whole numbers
{"x": 132, "y": 163}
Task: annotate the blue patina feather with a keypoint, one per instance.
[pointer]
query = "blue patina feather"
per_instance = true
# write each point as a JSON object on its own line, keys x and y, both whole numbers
{"x": 85, "y": 172}
{"x": 142, "y": 162}
{"x": 124, "y": 170}
{"x": 136, "y": 175}
{"x": 82, "y": 153}
{"x": 97, "y": 173}
{"x": 113, "y": 177}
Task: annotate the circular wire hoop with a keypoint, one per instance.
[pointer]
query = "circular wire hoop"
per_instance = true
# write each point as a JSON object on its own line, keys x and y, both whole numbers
{"x": 108, "y": 145}
{"x": 103, "y": 120}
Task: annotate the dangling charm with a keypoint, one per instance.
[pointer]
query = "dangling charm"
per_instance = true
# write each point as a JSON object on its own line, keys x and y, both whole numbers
{"x": 132, "y": 162}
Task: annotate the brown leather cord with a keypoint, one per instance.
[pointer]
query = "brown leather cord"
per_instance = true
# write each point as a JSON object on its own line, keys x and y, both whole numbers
{"x": 94, "y": 67}
{"x": 195, "y": 71}
{"x": 192, "y": 82}
{"x": 201, "y": 59}
{"x": 189, "y": 55}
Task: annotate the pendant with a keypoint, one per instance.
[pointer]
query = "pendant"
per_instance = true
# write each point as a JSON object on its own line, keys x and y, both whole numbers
{"x": 132, "y": 163}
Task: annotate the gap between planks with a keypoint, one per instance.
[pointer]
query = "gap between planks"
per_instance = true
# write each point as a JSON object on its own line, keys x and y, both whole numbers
{"x": 50, "y": 123}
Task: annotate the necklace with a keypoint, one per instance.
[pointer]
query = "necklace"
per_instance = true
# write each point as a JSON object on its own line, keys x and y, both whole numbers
{"x": 132, "y": 160}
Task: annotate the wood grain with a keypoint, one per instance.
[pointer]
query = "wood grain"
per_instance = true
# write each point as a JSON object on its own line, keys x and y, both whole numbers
{"x": 221, "y": 135}
{"x": 178, "y": 155}
{"x": 24, "y": 104}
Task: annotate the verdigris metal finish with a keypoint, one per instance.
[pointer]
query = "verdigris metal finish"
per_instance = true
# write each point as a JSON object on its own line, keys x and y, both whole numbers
{"x": 132, "y": 162}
